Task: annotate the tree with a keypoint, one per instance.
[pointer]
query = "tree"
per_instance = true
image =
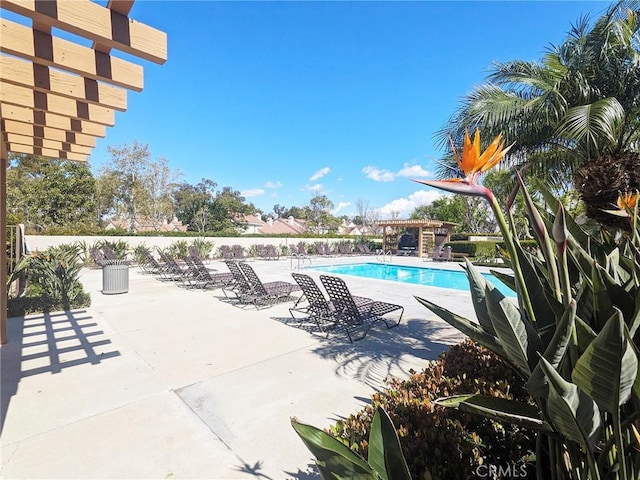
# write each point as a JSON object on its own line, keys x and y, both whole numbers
{"x": 362, "y": 207}
{"x": 142, "y": 185}
{"x": 45, "y": 192}
{"x": 158, "y": 205}
{"x": 319, "y": 216}
{"x": 575, "y": 114}
{"x": 279, "y": 210}
{"x": 228, "y": 209}
{"x": 204, "y": 209}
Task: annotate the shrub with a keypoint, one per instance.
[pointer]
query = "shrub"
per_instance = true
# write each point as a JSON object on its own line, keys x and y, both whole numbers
{"x": 140, "y": 253}
{"x": 203, "y": 247}
{"x": 178, "y": 249}
{"x": 119, "y": 247}
{"x": 443, "y": 443}
{"x": 52, "y": 281}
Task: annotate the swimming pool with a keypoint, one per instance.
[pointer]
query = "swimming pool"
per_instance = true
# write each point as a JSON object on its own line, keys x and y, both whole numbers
{"x": 432, "y": 277}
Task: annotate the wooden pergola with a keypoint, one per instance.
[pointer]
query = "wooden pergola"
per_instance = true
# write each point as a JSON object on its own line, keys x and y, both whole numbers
{"x": 430, "y": 233}
{"x": 56, "y": 95}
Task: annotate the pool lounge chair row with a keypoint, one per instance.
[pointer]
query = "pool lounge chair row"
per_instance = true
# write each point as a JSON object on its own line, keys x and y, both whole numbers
{"x": 341, "y": 310}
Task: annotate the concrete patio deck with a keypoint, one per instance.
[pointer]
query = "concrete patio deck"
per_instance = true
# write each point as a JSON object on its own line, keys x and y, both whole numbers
{"x": 164, "y": 382}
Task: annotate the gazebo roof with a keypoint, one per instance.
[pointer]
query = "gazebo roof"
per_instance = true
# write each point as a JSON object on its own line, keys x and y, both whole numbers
{"x": 417, "y": 223}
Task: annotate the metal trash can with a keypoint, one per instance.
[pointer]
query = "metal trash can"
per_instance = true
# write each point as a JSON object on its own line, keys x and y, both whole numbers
{"x": 115, "y": 277}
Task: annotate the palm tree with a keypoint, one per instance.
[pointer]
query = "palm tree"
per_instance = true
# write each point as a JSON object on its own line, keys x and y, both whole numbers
{"x": 574, "y": 115}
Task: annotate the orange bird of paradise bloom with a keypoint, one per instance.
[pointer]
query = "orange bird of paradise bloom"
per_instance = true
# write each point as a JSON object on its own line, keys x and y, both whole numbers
{"x": 473, "y": 164}
{"x": 627, "y": 200}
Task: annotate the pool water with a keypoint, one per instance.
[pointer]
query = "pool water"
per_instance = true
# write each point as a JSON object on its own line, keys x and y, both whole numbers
{"x": 432, "y": 277}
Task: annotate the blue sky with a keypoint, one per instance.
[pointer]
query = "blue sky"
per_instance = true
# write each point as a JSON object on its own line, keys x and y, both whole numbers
{"x": 288, "y": 99}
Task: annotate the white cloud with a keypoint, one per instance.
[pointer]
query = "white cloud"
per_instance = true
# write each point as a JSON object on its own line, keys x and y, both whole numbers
{"x": 319, "y": 174}
{"x": 404, "y": 206}
{"x": 339, "y": 207}
{"x": 252, "y": 192}
{"x": 407, "y": 170}
{"x": 277, "y": 184}
{"x": 314, "y": 188}
{"x": 374, "y": 173}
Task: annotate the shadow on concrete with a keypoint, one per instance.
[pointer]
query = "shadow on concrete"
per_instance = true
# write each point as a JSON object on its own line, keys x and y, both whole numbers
{"x": 47, "y": 344}
{"x": 383, "y": 352}
{"x": 311, "y": 473}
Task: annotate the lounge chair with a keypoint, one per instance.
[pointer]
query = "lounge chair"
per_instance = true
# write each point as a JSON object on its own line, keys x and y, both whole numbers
{"x": 442, "y": 254}
{"x": 314, "y": 304}
{"x": 352, "y": 316}
{"x": 266, "y": 294}
{"x": 365, "y": 250}
{"x": 98, "y": 257}
{"x": 316, "y": 307}
{"x": 238, "y": 253}
{"x": 267, "y": 252}
{"x": 225, "y": 252}
{"x": 172, "y": 270}
{"x": 149, "y": 264}
{"x": 204, "y": 277}
{"x": 248, "y": 289}
{"x": 344, "y": 249}
{"x": 271, "y": 252}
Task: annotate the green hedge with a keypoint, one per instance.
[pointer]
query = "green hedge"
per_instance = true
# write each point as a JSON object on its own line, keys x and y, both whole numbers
{"x": 484, "y": 248}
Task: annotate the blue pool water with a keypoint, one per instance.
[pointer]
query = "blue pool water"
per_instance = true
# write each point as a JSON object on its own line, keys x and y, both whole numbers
{"x": 432, "y": 277}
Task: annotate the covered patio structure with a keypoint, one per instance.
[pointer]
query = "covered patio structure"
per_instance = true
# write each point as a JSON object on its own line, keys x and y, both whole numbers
{"x": 57, "y": 96}
{"x": 429, "y": 234}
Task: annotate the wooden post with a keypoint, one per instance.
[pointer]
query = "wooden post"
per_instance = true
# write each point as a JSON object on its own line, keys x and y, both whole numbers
{"x": 3, "y": 243}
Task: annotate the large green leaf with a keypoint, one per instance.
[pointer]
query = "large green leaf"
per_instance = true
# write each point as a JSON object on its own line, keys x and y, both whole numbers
{"x": 602, "y": 306}
{"x": 385, "y": 453}
{"x": 554, "y": 353}
{"x": 335, "y": 460}
{"x": 466, "y": 326}
{"x": 607, "y": 370}
{"x": 500, "y": 409}
{"x": 507, "y": 278}
{"x": 518, "y": 339}
{"x": 570, "y": 410}
{"x": 543, "y": 306}
{"x": 478, "y": 286}
{"x": 634, "y": 321}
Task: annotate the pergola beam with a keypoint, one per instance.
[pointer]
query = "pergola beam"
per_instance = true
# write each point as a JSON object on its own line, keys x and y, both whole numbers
{"x": 46, "y": 152}
{"x": 25, "y": 97}
{"x": 104, "y": 26}
{"x": 48, "y": 80}
{"x": 51, "y": 120}
{"x": 17, "y": 139}
{"x": 45, "y": 49}
{"x": 36, "y": 131}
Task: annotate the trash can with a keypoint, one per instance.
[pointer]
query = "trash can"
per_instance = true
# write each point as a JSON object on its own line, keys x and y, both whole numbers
{"x": 115, "y": 277}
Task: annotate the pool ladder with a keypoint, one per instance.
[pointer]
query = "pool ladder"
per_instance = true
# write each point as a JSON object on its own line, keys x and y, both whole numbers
{"x": 382, "y": 256}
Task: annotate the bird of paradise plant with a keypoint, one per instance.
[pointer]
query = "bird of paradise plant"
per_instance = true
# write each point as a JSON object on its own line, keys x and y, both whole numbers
{"x": 573, "y": 336}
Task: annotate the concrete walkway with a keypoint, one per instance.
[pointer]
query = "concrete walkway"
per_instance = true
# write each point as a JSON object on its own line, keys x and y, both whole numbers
{"x": 164, "y": 382}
